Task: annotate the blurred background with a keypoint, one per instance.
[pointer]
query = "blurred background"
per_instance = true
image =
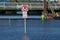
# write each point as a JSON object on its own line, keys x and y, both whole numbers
{"x": 12, "y": 23}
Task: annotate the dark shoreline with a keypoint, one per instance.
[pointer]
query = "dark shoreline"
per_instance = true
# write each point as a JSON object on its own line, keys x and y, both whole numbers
{"x": 57, "y": 18}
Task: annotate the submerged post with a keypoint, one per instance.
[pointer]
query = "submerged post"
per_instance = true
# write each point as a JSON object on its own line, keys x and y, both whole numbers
{"x": 24, "y": 14}
{"x": 45, "y": 9}
{"x": 44, "y": 14}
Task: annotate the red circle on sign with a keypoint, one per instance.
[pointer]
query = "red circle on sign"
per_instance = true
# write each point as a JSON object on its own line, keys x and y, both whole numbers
{"x": 24, "y": 7}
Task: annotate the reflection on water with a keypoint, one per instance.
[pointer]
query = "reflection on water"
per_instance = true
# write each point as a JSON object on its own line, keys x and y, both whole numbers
{"x": 36, "y": 29}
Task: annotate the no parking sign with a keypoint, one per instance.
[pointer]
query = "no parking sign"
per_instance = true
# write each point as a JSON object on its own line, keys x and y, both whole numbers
{"x": 24, "y": 7}
{"x": 24, "y": 10}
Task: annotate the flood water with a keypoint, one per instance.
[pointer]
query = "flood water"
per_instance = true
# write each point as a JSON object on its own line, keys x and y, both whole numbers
{"x": 36, "y": 29}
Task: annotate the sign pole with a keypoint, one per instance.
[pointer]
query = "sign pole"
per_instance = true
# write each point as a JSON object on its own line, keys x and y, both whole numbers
{"x": 25, "y": 31}
{"x": 24, "y": 14}
{"x": 25, "y": 25}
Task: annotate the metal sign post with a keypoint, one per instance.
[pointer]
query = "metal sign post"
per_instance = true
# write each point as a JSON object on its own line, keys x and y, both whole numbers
{"x": 24, "y": 14}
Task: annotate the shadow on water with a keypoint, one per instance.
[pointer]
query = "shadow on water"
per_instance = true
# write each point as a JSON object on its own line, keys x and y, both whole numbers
{"x": 36, "y": 29}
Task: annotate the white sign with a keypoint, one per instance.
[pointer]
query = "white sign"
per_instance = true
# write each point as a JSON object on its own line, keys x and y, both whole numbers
{"x": 24, "y": 8}
{"x": 24, "y": 14}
